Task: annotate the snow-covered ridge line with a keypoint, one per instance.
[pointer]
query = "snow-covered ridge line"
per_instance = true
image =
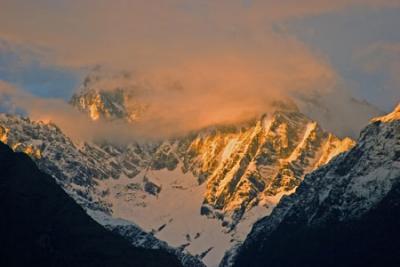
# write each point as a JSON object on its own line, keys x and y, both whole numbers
{"x": 200, "y": 193}
{"x": 395, "y": 115}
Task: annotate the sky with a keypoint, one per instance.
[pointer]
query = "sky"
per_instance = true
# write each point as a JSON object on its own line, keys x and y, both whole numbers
{"x": 229, "y": 56}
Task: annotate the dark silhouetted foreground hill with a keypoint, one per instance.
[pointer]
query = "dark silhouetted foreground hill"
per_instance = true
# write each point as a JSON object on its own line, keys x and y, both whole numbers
{"x": 40, "y": 225}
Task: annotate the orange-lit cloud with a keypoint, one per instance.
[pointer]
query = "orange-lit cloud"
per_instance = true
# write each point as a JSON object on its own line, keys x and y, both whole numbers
{"x": 226, "y": 56}
{"x": 142, "y": 33}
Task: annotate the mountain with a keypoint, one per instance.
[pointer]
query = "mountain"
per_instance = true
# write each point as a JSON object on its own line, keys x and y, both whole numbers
{"x": 78, "y": 169}
{"x": 109, "y": 95}
{"x": 41, "y": 225}
{"x": 239, "y": 162}
{"x": 346, "y": 213}
{"x": 200, "y": 193}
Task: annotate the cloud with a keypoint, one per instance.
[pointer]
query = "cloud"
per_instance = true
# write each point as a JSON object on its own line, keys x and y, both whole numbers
{"x": 344, "y": 38}
{"x": 229, "y": 66}
{"x": 222, "y": 87}
{"x": 227, "y": 87}
{"x": 382, "y": 58}
{"x": 143, "y": 33}
{"x": 206, "y": 62}
{"x": 162, "y": 121}
{"x": 73, "y": 123}
{"x": 24, "y": 66}
{"x": 375, "y": 56}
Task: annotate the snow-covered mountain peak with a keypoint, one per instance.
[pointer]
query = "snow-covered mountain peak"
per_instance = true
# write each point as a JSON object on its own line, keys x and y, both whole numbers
{"x": 395, "y": 115}
{"x": 109, "y": 96}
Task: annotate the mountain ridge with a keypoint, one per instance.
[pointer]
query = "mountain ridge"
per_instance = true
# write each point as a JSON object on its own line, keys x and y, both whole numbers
{"x": 338, "y": 198}
{"x": 220, "y": 179}
{"x": 126, "y": 181}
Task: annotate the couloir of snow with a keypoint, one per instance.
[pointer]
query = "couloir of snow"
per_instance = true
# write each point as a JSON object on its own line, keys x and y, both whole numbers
{"x": 174, "y": 213}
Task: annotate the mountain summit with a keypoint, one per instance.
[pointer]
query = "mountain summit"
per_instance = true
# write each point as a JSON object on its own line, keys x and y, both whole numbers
{"x": 393, "y": 116}
{"x": 109, "y": 96}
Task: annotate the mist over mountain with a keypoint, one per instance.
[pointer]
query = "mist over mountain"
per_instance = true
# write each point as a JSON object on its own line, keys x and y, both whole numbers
{"x": 209, "y": 184}
{"x": 338, "y": 111}
{"x": 128, "y": 96}
{"x": 214, "y": 182}
{"x": 199, "y": 133}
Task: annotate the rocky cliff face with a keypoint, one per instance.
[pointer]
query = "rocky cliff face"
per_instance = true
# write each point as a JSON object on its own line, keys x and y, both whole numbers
{"x": 343, "y": 214}
{"x": 258, "y": 163}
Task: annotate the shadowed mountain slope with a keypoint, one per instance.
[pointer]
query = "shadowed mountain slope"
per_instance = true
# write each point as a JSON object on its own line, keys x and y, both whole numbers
{"x": 40, "y": 225}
